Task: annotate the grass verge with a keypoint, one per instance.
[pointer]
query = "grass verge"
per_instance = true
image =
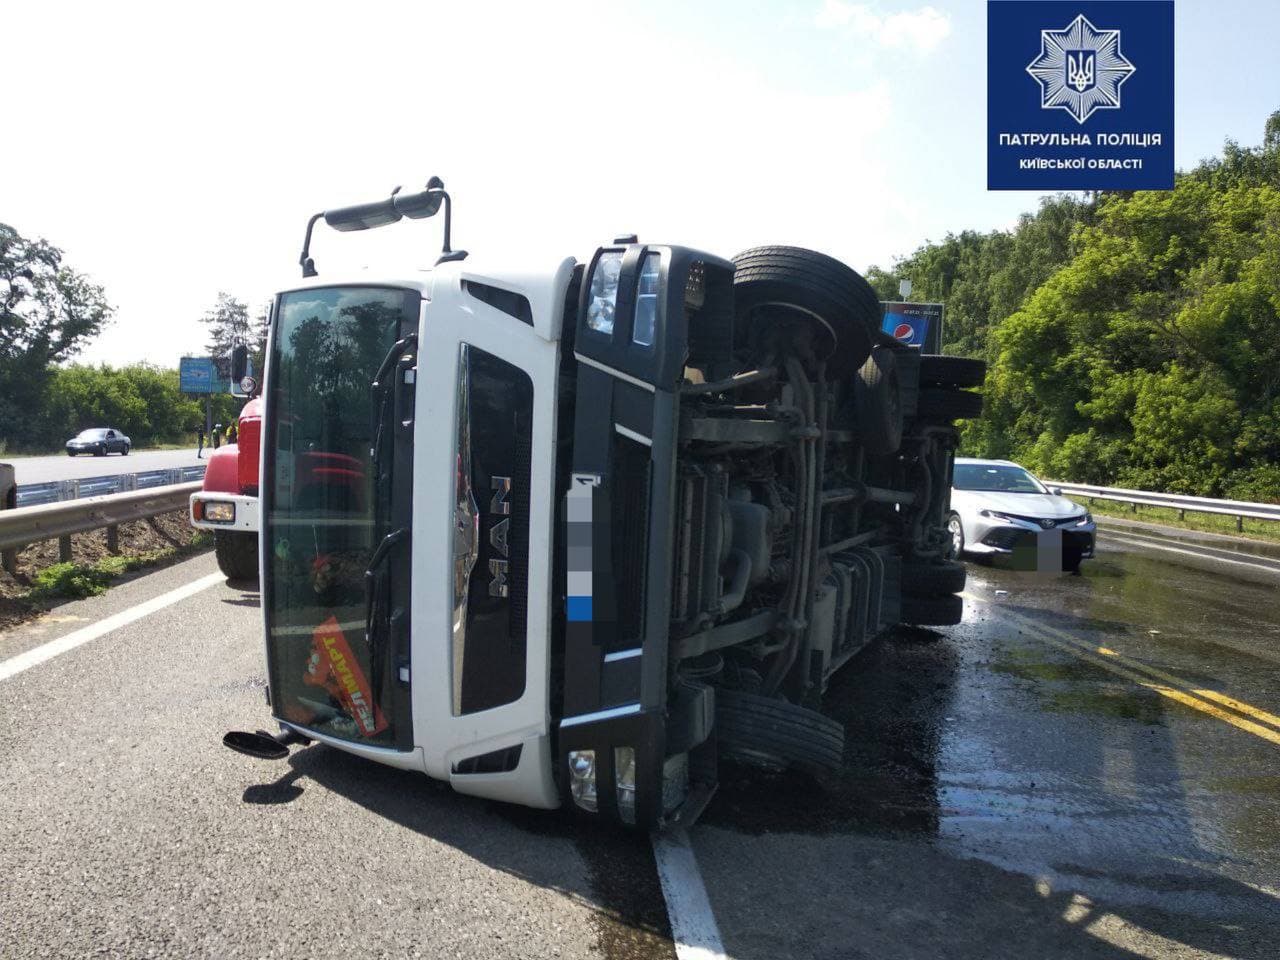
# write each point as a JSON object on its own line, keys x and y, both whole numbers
{"x": 1203, "y": 522}
{"x": 74, "y": 581}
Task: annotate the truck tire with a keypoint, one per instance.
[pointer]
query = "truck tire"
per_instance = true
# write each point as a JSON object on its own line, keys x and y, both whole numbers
{"x": 939, "y": 371}
{"x": 765, "y": 731}
{"x": 932, "y": 579}
{"x": 940, "y": 611}
{"x": 833, "y": 296}
{"x": 938, "y": 403}
{"x": 237, "y": 554}
{"x": 877, "y": 399}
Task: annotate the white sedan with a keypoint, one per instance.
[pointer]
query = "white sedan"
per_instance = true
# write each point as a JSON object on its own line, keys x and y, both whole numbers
{"x": 999, "y": 509}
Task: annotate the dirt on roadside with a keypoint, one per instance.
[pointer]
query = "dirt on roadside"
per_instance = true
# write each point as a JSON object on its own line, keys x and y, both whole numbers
{"x": 169, "y": 533}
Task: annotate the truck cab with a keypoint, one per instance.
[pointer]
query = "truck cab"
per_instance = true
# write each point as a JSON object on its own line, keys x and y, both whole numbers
{"x": 569, "y": 533}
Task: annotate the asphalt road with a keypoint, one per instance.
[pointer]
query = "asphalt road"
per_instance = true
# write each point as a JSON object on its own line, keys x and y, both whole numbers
{"x": 62, "y": 467}
{"x": 1023, "y": 785}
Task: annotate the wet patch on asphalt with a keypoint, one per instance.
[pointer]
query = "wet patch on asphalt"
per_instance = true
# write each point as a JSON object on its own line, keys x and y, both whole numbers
{"x": 893, "y": 700}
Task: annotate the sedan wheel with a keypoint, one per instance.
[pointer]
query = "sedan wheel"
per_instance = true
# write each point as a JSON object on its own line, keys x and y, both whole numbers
{"x": 956, "y": 530}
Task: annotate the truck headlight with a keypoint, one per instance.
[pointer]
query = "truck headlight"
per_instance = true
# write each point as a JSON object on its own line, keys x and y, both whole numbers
{"x": 603, "y": 293}
{"x": 582, "y": 779}
{"x": 624, "y": 775}
{"x": 219, "y": 511}
{"x": 647, "y": 300}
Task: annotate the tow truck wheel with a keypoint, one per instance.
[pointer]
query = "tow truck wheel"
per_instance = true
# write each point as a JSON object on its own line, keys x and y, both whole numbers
{"x": 237, "y": 554}
{"x": 767, "y": 732}
{"x": 774, "y": 286}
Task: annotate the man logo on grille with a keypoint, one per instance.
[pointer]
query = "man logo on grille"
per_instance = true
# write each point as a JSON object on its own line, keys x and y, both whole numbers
{"x": 1080, "y": 69}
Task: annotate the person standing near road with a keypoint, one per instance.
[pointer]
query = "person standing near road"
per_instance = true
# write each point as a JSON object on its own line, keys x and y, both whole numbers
{"x": 217, "y": 435}
{"x": 199, "y": 443}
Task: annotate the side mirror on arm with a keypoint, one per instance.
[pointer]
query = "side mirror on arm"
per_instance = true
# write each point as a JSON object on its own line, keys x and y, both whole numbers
{"x": 239, "y": 362}
{"x": 1056, "y": 491}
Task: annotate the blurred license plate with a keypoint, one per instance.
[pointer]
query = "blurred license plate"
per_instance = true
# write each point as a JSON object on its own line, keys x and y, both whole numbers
{"x": 1049, "y": 551}
{"x": 1038, "y": 551}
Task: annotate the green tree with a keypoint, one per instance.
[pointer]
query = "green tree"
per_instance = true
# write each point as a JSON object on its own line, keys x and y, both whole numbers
{"x": 228, "y": 325}
{"x": 1152, "y": 358}
{"x": 48, "y": 311}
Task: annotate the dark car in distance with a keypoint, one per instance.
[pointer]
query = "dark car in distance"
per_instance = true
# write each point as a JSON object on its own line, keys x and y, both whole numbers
{"x": 99, "y": 441}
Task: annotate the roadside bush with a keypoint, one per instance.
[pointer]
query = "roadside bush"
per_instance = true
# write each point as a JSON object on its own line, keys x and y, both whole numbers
{"x": 72, "y": 580}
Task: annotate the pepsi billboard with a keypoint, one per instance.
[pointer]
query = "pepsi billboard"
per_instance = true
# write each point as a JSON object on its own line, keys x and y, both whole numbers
{"x": 915, "y": 324}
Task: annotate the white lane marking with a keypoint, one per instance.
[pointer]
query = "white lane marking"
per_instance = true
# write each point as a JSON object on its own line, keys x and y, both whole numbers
{"x": 693, "y": 925}
{"x": 1192, "y": 553}
{"x": 47, "y": 651}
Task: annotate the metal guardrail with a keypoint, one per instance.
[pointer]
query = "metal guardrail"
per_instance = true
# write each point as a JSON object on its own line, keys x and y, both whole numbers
{"x": 56, "y": 491}
{"x": 1240, "y": 509}
{"x": 58, "y": 521}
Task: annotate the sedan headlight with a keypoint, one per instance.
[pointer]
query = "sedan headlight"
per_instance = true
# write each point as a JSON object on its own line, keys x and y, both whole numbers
{"x": 996, "y": 515}
{"x": 1085, "y": 520}
{"x": 603, "y": 293}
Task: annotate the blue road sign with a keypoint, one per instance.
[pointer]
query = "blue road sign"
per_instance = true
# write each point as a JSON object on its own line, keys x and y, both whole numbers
{"x": 197, "y": 375}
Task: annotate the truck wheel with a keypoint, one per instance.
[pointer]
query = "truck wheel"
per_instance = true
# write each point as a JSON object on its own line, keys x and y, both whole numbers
{"x": 767, "y": 732}
{"x": 774, "y": 284}
{"x": 877, "y": 399}
{"x": 941, "y": 611}
{"x": 237, "y": 554}
{"x": 931, "y": 579}
{"x": 939, "y": 371}
{"x": 937, "y": 403}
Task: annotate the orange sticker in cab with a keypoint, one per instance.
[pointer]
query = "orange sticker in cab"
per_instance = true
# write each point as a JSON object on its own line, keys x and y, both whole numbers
{"x": 335, "y": 667}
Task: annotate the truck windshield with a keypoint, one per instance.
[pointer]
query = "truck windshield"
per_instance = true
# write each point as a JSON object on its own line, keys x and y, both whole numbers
{"x": 320, "y": 523}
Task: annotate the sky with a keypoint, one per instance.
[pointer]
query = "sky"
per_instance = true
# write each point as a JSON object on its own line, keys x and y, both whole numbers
{"x": 176, "y": 150}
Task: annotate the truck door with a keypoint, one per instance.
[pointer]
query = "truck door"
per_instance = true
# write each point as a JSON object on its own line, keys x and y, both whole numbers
{"x": 482, "y": 560}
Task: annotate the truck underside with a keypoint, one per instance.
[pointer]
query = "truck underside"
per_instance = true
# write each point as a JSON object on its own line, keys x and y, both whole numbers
{"x": 750, "y": 531}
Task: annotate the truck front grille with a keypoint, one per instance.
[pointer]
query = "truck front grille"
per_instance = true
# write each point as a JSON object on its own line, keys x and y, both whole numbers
{"x": 630, "y": 533}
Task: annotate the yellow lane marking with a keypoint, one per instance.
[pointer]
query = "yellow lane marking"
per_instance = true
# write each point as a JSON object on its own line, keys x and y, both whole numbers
{"x": 1248, "y": 710}
{"x": 1257, "y": 713}
{"x": 1181, "y": 693}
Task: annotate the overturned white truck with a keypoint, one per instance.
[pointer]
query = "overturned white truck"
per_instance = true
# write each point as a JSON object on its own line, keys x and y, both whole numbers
{"x": 570, "y": 536}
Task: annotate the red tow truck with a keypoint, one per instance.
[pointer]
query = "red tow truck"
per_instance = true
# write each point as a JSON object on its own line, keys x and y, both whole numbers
{"x": 228, "y": 502}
